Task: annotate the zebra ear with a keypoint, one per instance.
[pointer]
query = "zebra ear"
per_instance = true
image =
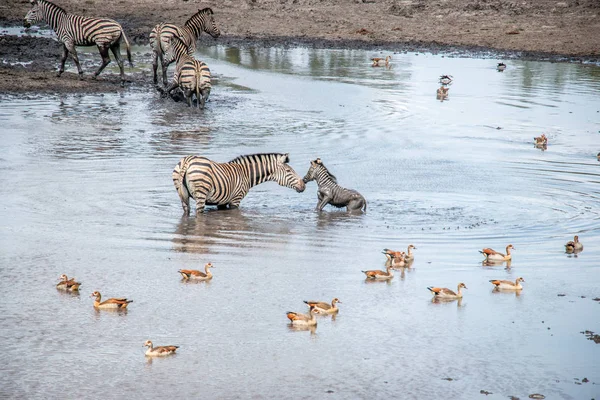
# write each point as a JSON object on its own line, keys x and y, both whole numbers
{"x": 318, "y": 161}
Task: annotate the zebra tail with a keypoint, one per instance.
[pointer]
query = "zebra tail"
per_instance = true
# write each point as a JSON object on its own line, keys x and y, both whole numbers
{"x": 179, "y": 177}
{"x": 128, "y": 48}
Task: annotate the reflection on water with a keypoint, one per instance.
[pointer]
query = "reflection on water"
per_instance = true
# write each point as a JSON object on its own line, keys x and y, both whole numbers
{"x": 87, "y": 190}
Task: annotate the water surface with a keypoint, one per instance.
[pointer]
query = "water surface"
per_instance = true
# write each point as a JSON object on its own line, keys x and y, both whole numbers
{"x": 86, "y": 190}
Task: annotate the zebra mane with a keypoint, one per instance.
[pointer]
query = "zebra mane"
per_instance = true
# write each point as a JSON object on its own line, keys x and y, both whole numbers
{"x": 331, "y": 176}
{"x": 206, "y": 10}
{"x": 238, "y": 159}
{"x": 51, "y": 4}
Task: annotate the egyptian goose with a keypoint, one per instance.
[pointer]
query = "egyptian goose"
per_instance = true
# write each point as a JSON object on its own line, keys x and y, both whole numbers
{"x": 159, "y": 351}
{"x": 445, "y": 293}
{"x": 501, "y": 67}
{"x": 195, "y": 275}
{"x": 380, "y": 62}
{"x": 409, "y": 254}
{"x": 445, "y": 79}
{"x": 298, "y": 319}
{"x": 508, "y": 285}
{"x": 379, "y": 274}
{"x": 110, "y": 304}
{"x": 397, "y": 259}
{"x": 541, "y": 140}
{"x": 68, "y": 284}
{"x": 323, "y": 307}
{"x": 574, "y": 245}
{"x": 442, "y": 93}
{"x": 493, "y": 255}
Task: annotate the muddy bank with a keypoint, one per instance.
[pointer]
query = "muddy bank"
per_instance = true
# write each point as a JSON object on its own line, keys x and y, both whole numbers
{"x": 541, "y": 30}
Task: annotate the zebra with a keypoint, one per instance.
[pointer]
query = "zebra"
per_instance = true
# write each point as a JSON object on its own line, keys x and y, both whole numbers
{"x": 330, "y": 192}
{"x": 76, "y": 30}
{"x": 162, "y": 34}
{"x": 191, "y": 75}
{"x": 226, "y": 184}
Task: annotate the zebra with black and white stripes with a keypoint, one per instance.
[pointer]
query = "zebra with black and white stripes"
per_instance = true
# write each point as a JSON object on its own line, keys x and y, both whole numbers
{"x": 191, "y": 76}
{"x": 161, "y": 35}
{"x": 226, "y": 184}
{"x": 329, "y": 192}
{"x": 76, "y": 30}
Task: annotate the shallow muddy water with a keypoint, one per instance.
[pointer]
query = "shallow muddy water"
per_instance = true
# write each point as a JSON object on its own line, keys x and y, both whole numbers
{"x": 86, "y": 190}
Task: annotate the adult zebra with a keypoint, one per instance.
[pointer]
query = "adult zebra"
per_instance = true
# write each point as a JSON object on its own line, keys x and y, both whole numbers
{"x": 191, "y": 75}
{"x": 161, "y": 35}
{"x": 226, "y": 184}
{"x": 75, "y": 30}
{"x": 330, "y": 192}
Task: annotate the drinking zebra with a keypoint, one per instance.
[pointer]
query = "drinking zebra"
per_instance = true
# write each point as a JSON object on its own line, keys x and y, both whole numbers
{"x": 226, "y": 184}
{"x": 162, "y": 34}
{"x": 76, "y": 30}
{"x": 330, "y": 192}
{"x": 191, "y": 75}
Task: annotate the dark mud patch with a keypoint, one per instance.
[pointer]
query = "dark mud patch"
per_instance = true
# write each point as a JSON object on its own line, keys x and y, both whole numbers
{"x": 30, "y": 65}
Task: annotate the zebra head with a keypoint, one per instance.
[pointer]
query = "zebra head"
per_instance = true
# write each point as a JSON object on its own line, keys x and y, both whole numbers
{"x": 34, "y": 15}
{"x": 285, "y": 175}
{"x": 317, "y": 168}
{"x": 203, "y": 20}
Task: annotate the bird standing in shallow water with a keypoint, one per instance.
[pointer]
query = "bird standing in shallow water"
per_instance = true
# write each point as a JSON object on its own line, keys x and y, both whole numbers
{"x": 445, "y": 293}
{"x": 110, "y": 304}
{"x": 195, "y": 275}
{"x": 323, "y": 307}
{"x": 445, "y": 79}
{"x": 380, "y": 62}
{"x": 70, "y": 285}
{"x": 493, "y": 255}
{"x": 501, "y": 66}
{"x": 159, "y": 351}
{"x": 507, "y": 285}
{"x": 379, "y": 274}
{"x": 298, "y": 319}
{"x": 573, "y": 245}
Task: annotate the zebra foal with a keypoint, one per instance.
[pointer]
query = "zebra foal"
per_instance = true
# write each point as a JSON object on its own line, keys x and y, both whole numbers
{"x": 191, "y": 76}
{"x": 330, "y": 192}
{"x": 226, "y": 184}
{"x": 161, "y": 35}
{"x": 76, "y": 30}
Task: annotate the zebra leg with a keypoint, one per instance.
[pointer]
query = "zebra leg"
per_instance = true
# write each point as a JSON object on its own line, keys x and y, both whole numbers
{"x": 105, "y": 59}
{"x": 200, "y": 203}
{"x": 116, "y": 50}
{"x": 164, "y": 66}
{"x": 63, "y": 60}
{"x": 71, "y": 48}
{"x": 155, "y": 66}
{"x": 322, "y": 203}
